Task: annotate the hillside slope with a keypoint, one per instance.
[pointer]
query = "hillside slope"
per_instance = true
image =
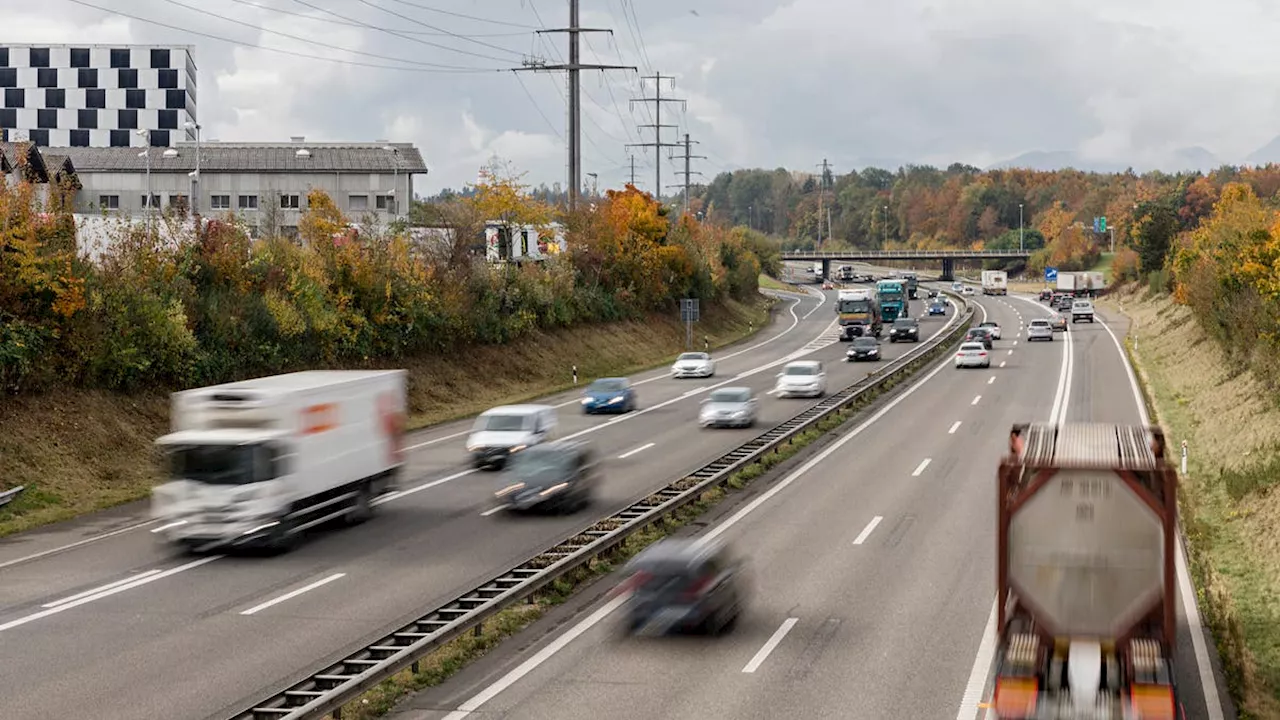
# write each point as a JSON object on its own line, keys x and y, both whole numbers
{"x": 80, "y": 451}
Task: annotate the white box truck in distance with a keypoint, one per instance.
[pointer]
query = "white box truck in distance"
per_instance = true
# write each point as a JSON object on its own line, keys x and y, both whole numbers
{"x": 995, "y": 282}
{"x": 259, "y": 462}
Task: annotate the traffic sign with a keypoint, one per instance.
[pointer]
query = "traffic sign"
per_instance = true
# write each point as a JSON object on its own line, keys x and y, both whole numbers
{"x": 689, "y": 310}
{"x": 1050, "y": 274}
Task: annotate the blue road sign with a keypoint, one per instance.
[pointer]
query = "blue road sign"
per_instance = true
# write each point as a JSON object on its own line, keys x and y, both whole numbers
{"x": 1050, "y": 274}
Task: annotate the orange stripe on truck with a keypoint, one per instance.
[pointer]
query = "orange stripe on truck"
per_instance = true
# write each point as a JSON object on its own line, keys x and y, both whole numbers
{"x": 319, "y": 418}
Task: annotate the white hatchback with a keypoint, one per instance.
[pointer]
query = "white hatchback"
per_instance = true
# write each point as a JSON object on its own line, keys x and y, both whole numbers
{"x": 1039, "y": 330}
{"x": 973, "y": 354}
{"x": 802, "y": 378}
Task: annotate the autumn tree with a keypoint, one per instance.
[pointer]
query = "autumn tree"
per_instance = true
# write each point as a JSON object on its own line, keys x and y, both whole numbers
{"x": 1152, "y": 232}
{"x": 501, "y": 197}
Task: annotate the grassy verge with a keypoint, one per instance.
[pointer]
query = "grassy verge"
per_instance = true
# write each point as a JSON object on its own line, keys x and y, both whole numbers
{"x": 771, "y": 283}
{"x": 1230, "y": 511}
{"x": 78, "y": 451}
{"x": 437, "y": 667}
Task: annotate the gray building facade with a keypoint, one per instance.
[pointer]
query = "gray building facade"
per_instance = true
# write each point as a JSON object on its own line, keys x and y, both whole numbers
{"x": 83, "y": 95}
{"x": 265, "y": 183}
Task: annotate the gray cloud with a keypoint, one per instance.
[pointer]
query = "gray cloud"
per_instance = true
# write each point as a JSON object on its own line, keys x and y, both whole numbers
{"x": 769, "y": 82}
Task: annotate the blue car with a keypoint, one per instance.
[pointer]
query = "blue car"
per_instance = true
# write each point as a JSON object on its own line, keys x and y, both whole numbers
{"x": 609, "y": 395}
{"x": 937, "y": 308}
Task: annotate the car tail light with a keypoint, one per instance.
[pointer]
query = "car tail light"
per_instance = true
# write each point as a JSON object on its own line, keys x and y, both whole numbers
{"x": 982, "y": 354}
{"x": 633, "y": 583}
{"x": 698, "y": 587}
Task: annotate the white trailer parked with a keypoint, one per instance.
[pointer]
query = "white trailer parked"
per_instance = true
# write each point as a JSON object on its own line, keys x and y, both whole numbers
{"x": 260, "y": 462}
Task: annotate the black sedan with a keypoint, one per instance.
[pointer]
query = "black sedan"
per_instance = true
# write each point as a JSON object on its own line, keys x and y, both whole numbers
{"x": 864, "y": 348}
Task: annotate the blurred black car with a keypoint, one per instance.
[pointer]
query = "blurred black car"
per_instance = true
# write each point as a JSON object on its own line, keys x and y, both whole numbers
{"x": 982, "y": 335}
{"x": 559, "y": 476}
{"x": 849, "y": 332}
{"x": 905, "y": 329}
{"x": 682, "y": 585}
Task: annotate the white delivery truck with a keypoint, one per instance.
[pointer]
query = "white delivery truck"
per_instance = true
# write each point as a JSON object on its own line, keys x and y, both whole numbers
{"x": 259, "y": 462}
{"x": 995, "y": 282}
{"x": 1068, "y": 283}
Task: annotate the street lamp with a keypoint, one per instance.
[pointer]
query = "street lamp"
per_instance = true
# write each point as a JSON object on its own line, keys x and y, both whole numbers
{"x": 195, "y": 176}
{"x": 1022, "y": 246}
{"x": 395, "y": 178}
{"x": 886, "y": 226}
{"x": 147, "y": 154}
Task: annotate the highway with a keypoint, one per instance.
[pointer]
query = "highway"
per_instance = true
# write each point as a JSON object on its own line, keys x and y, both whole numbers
{"x": 872, "y": 569}
{"x": 98, "y": 614}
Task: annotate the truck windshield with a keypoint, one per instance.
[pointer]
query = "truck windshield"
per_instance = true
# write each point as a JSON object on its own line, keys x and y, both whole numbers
{"x": 855, "y": 306}
{"x": 502, "y": 423}
{"x": 214, "y": 464}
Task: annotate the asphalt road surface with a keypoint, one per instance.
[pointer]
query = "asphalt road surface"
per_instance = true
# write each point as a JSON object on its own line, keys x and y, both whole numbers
{"x": 99, "y": 614}
{"x": 872, "y": 569}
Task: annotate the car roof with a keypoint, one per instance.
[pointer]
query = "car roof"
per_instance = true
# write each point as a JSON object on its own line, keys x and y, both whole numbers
{"x": 517, "y": 410}
{"x": 1040, "y": 321}
{"x": 972, "y": 346}
{"x": 803, "y": 363}
{"x": 678, "y": 550}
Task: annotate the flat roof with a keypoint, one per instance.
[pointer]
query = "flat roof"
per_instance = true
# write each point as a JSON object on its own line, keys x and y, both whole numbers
{"x": 227, "y": 157}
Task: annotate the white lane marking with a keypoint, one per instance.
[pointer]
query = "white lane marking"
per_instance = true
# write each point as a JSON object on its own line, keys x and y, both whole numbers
{"x": 1015, "y": 342}
{"x": 293, "y": 594}
{"x": 920, "y": 468}
{"x": 107, "y": 593}
{"x": 770, "y": 645}
{"x": 1002, "y": 362}
{"x": 1009, "y": 353}
{"x": 167, "y": 526}
{"x": 866, "y": 531}
{"x": 493, "y": 510}
{"x": 424, "y": 486}
{"x": 795, "y": 320}
{"x": 78, "y": 543}
{"x": 1185, "y": 588}
{"x": 640, "y": 449}
{"x": 954, "y": 427}
{"x": 975, "y": 400}
{"x": 95, "y": 591}
{"x": 991, "y": 380}
{"x": 528, "y": 666}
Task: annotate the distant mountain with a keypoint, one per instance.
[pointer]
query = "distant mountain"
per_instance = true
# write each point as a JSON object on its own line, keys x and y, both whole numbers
{"x": 1181, "y": 160}
{"x": 1193, "y": 158}
{"x": 1269, "y": 153}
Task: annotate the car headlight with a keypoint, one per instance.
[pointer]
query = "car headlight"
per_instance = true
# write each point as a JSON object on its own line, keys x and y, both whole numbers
{"x": 586, "y": 401}
{"x": 472, "y": 448}
{"x": 615, "y": 400}
{"x": 517, "y": 448}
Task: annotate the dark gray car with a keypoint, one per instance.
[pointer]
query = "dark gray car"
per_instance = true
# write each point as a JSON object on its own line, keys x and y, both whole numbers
{"x": 905, "y": 329}
{"x": 682, "y": 585}
{"x": 558, "y": 476}
{"x": 863, "y": 348}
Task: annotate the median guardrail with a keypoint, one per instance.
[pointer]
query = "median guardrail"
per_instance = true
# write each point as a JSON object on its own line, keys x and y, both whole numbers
{"x": 327, "y": 690}
{"x": 9, "y": 496}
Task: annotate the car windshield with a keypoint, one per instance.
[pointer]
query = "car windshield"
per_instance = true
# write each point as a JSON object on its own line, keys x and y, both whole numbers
{"x": 864, "y": 342}
{"x": 692, "y": 356}
{"x": 537, "y": 463}
{"x": 905, "y": 323}
{"x": 800, "y": 370}
{"x": 502, "y": 423}
{"x": 731, "y": 395}
{"x": 608, "y": 385}
{"x": 1039, "y": 323}
{"x": 987, "y": 324}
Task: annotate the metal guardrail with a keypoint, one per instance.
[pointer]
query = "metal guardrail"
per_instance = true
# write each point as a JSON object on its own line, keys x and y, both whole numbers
{"x": 9, "y": 496}
{"x": 796, "y": 255}
{"x": 338, "y": 683}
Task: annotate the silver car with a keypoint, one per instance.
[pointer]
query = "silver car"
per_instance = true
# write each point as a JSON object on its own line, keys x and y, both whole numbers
{"x": 729, "y": 407}
{"x": 1039, "y": 330}
{"x": 693, "y": 365}
{"x": 802, "y": 378}
{"x": 973, "y": 354}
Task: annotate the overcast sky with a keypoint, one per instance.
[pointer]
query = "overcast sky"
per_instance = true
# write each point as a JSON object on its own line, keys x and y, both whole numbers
{"x": 767, "y": 82}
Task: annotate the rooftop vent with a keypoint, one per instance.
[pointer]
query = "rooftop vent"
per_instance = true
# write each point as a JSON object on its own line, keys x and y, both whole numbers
{"x": 171, "y": 153}
{"x": 303, "y": 153}
{"x": 298, "y": 138}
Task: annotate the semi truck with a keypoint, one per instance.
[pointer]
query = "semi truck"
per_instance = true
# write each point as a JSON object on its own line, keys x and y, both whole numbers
{"x": 1085, "y": 599}
{"x": 913, "y": 284}
{"x": 817, "y": 271}
{"x": 260, "y": 462}
{"x": 893, "y": 299}
{"x": 845, "y": 274}
{"x": 995, "y": 282}
{"x": 1081, "y": 283}
{"x": 858, "y": 313}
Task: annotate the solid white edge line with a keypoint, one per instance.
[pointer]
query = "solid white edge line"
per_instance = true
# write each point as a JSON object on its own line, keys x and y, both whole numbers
{"x": 920, "y": 468}
{"x": 954, "y": 427}
{"x": 293, "y": 594}
{"x": 866, "y": 531}
{"x": 168, "y": 526}
{"x": 770, "y": 645}
{"x": 107, "y": 593}
{"x": 78, "y": 543}
{"x": 1186, "y": 589}
{"x": 424, "y": 486}
{"x": 496, "y": 509}
{"x": 640, "y": 449}
{"x": 100, "y": 588}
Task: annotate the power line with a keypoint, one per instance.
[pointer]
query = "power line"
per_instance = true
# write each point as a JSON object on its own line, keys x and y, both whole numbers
{"x": 305, "y": 16}
{"x": 428, "y": 8}
{"x": 537, "y": 107}
{"x": 657, "y": 126}
{"x": 643, "y": 50}
{"x": 433, "y": 27}
{"x": 294, "y": 53}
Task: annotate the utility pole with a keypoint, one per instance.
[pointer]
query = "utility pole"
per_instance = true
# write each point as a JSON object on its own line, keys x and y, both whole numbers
{"x": 595, "y": 177}
{"x": 575, "y": 94}
{"x": 657, "y": 126}
{"x": 688, "y": 147}
{"x": 822, "y": 186}
{"x": 633, "y": 170}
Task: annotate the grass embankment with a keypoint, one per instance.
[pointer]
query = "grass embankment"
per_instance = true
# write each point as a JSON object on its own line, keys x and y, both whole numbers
{"x": 771, "y": 283}
{"x": 1229, "y": 503}
{"x": 78, "y": 451}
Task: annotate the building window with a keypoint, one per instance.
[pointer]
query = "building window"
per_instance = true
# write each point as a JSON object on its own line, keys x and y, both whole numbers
{"x": 358, "y": 202}
{"x": 8, "y": 77}
{"x": 248, "y": 202}
{"x": 120, "y": 138}
{"x": 159, "y": 58}
{"x": 15, "y": 98}
{"x": 135, "y": 99}
{"x": 179, "y": 202}
{"x": 55, "y": 98}
{"x": 120, "y": 57}
{"x": 290, "y": 202}
{"x": 127, "y": 78}
{"x": 155, "y": 200}
{"x": 289, "y": 231}
{"x": 87, "y": 78}
{"x": 47, "y": 77}
{"x": 95, "y": 99}
{"x": 47, "y": 119}
{"x": 127, "y": 119}
{"x": 175, "y": 99}
{"x": 79, "y": 57}
{"x": 86, "y": 118}
{"x": 159, "y": 138}
{"x": 109, "y": 202}
{"x": 39, "y": 137}
{"x": 386, "y": 202}
{"x": 168, "y": 119}
{"x": 4, "y": 57}
{"x": 79, "y": 138}
{"x": 168, "y": 79}
{"x": 220, "y": 202}
{"x": 39, "y": 57}
{"x": 8, "y": 118}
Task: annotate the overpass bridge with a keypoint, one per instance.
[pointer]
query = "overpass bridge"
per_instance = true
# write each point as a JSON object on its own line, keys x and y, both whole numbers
{"x": 947, "y": 257}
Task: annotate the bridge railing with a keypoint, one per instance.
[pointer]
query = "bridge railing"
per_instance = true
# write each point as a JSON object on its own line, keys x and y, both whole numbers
{"x": 906, "y": 255}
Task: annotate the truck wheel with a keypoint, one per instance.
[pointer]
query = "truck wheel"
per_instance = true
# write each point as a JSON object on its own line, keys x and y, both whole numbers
{"x": 361, "y": 506}
{"x": 281, "y": 541}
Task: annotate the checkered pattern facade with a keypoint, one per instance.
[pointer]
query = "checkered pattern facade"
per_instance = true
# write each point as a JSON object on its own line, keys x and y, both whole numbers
{"x": 97, "y": 95}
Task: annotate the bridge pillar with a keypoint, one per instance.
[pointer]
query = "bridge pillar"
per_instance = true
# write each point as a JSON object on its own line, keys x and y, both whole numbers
{"x": 826, "y": 270}
{"x": 948, "y": 270}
